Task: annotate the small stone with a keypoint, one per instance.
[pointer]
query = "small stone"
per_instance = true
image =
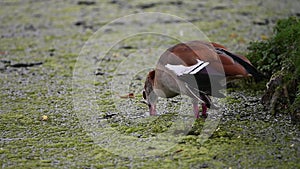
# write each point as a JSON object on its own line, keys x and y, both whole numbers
{"x": 86, "y": 3}
{"x": 261, "y": 22}
{"x": 2, "y": 66}
{"x": 44, "y": 118}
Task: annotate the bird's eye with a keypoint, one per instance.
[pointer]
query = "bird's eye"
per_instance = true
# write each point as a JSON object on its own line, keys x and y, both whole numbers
{"x": 144, "y": 94}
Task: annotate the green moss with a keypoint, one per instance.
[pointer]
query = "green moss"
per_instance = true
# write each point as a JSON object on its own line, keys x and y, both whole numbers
{"x": 279, "y": 57}
{"x": 59, "y": 142}
{"x": 277, "y": 52}
{"x": 231, "y": 100}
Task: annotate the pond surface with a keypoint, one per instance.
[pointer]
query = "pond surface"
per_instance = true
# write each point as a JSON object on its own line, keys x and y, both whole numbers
{"x": 53, "y": 116}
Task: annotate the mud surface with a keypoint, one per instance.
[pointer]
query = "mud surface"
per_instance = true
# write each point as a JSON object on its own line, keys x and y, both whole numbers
{"x": 40, "y": 127}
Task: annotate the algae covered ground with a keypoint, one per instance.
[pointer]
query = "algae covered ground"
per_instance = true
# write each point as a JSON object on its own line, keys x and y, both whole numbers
{"x": 52, "y": 115}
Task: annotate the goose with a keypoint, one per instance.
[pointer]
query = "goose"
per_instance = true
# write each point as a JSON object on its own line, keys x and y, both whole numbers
{"x": 197, "y": 69}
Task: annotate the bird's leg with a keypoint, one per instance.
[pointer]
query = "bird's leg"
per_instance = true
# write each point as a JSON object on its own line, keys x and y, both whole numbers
{"x": 196, "y": 108}
{"x": 204, "y": 110}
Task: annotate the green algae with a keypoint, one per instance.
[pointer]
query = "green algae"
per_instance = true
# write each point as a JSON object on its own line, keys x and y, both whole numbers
{"x": 242, "y": 139}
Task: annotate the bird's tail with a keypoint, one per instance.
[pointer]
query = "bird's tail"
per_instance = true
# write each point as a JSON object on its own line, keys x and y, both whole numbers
{"x": 249, "y": 68}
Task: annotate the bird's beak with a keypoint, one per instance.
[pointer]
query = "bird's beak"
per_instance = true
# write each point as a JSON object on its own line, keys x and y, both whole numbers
{"x": 152, "y": 109}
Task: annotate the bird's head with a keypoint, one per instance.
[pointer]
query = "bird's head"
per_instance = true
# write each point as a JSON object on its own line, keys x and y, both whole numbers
{"x": 148, "y": 92}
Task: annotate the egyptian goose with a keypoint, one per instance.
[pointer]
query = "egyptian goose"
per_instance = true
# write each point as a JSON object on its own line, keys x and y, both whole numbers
{"x": 190, "y": 68}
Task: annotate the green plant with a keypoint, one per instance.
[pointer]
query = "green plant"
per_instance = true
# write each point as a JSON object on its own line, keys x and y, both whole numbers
{"x": 279, "y": 59}
{"x": 284, "y": 47}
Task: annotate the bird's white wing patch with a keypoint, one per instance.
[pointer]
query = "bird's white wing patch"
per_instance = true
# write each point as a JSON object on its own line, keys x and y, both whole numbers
{"x": 180, "y": 69}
